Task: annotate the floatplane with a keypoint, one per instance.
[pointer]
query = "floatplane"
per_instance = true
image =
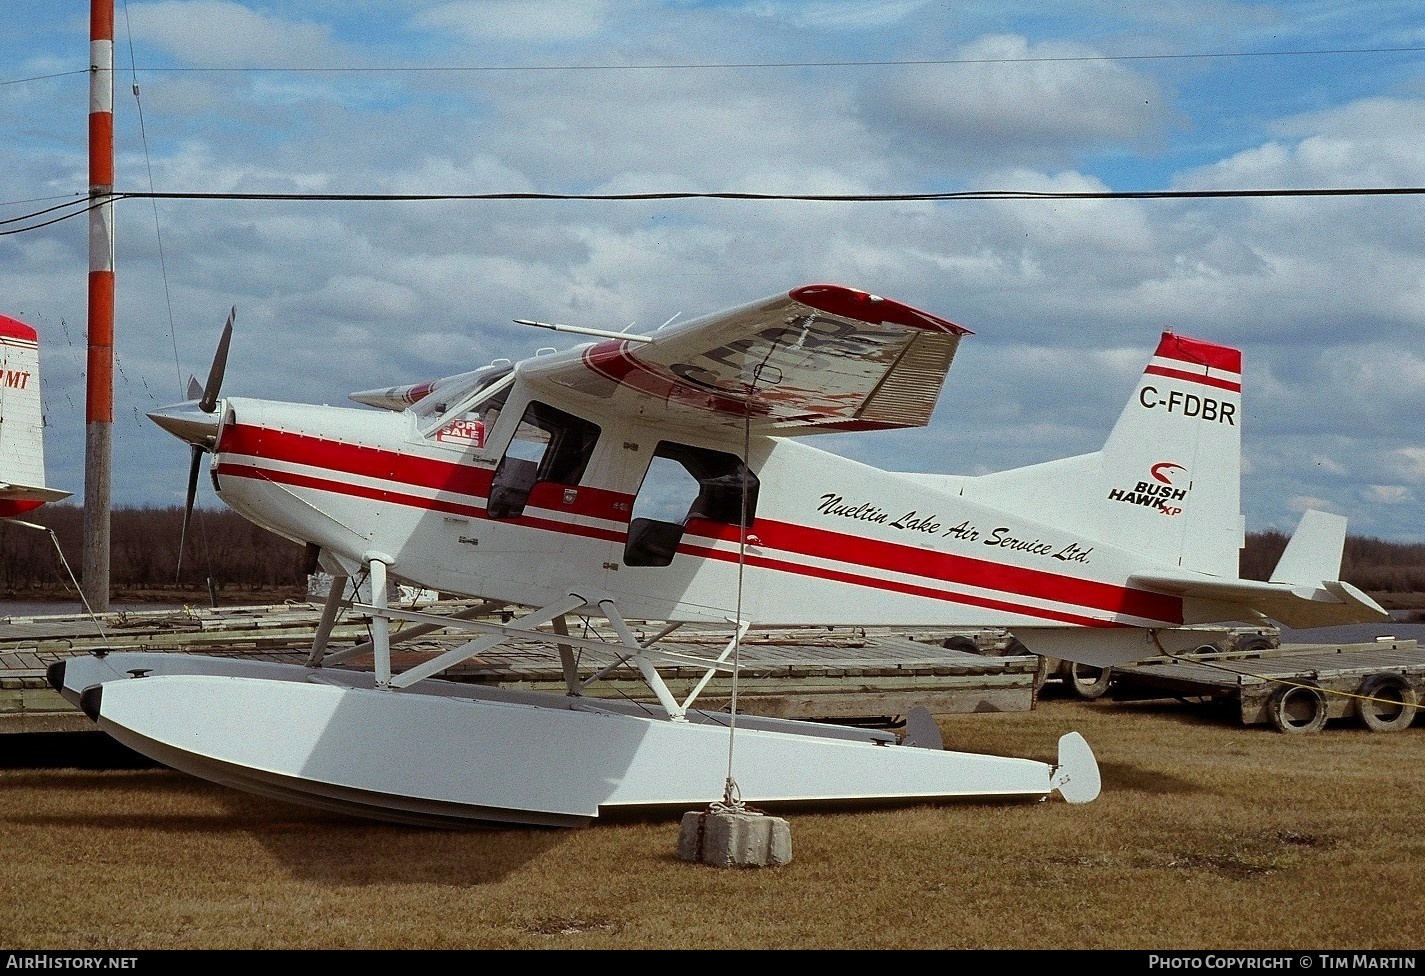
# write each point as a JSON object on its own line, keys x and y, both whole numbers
{"x": 22, "y": 456}
{"x": 668, "y": 477}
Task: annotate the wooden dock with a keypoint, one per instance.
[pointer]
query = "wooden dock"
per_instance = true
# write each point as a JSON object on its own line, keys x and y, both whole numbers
{"x": 841, "y": 674}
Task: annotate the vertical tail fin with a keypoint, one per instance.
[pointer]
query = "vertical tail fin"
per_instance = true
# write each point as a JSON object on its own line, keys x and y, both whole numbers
{"x": 1167, "y": 482}
{"x": 1172, "y": 467}
{"x": 22, "y": 459}
{"x": 1314, "y": 551}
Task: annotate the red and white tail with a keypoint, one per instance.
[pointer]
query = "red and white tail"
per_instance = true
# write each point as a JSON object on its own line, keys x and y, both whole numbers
{"x": 22, "y": 454}
{"x": 1167, "y": 482}
{"x": 1172, "y": 473}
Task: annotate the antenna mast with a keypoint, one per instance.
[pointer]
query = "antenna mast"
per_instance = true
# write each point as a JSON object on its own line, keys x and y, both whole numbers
{"x": 99, "y": 388}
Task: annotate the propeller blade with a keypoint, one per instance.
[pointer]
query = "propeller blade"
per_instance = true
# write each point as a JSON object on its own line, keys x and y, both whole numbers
{"x": 209, "y": 403}
{"x": 193, "y": 466}
{"x": 195, "y": 392}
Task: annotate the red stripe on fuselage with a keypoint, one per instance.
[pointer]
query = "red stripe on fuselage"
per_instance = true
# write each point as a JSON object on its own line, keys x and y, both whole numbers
{"x": 937, "y": 568}
{"x": 230, "y": 469}
{"x": 407, "y": 470}
{"x": 895, "y": 586}
{"x": 953, "y": 569}
{"x": 356, "y": 459}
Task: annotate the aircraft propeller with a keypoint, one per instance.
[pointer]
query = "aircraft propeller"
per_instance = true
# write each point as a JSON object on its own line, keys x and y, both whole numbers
{"x": 199, "y": 431}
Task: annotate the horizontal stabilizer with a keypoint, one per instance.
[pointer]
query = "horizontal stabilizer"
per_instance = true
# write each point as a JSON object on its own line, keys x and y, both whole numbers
{"x": 31, "y": 493}
{"x": 1326, "y": 603}
{"x": 1304, "y": 590}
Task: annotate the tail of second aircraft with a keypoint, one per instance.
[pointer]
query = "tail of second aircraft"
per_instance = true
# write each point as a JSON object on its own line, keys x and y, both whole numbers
{"x": 1168, "y": 479}
{"x": 22, "y": 458}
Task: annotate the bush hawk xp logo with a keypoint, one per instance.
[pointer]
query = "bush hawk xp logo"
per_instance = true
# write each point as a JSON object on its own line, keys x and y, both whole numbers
{"x": 1158, "y": 493}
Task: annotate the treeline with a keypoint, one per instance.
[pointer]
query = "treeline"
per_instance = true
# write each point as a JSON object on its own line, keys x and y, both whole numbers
{"x": 143, "y": 551}
{"x": 230, "y": 551}
{"x": 1374, "y": 565}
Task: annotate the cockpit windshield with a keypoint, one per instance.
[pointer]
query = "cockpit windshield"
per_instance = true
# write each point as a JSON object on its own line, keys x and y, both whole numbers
{"x": 454, "y": 410}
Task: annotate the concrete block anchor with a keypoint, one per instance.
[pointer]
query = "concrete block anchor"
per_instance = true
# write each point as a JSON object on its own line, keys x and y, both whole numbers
{"x": 735, "y": 838}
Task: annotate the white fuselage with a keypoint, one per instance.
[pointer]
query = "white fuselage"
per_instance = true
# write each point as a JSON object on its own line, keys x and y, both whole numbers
{"x": 832, "y": 541}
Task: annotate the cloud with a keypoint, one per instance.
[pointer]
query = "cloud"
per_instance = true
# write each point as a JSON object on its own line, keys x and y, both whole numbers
{"x": 1389, "y": 494}
{"x": 1410, "y": 462}
{"x": 520, "y": 21}
{"x": 1328, "y": 464}
{"x": 1012, "y": 101}
{"x": 1301, "y": 503}
{"x": 224, "y": 34}
{"x": 1325, "y": 296}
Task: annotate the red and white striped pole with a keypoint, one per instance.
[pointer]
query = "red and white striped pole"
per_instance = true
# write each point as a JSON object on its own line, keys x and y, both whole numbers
{"x": 99, "y": 390}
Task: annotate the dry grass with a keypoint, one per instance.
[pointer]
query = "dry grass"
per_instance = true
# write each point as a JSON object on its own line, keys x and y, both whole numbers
{"x": 1208, "y": 835}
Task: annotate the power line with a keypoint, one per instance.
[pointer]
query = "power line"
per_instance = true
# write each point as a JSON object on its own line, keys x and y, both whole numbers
{"x": 58, "y": 74}
{"x": 809, "y": 197}
{"x": 85, "y": 204}
{"x": 70, "y": 201}
{"x": 744, "y": 65}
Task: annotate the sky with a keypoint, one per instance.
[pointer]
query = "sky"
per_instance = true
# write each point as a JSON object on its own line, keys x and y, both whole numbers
{"x": 1066, "y": 298}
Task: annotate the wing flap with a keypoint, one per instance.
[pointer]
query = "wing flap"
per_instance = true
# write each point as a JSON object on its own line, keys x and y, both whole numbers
{"x": 817, "y": 358}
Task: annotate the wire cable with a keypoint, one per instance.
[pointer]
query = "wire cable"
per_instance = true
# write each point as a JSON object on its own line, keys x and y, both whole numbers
{"x": 747, "y": 65}
{"x": 89, "y": 203}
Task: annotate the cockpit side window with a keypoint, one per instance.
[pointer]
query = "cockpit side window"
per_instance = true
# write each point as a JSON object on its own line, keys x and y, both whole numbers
{"x": 682, "y": 484}
{"x": 549, "y": 445}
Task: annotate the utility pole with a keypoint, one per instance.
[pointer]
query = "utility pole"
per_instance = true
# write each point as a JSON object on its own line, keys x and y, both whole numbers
{"x": 99, "y": 388}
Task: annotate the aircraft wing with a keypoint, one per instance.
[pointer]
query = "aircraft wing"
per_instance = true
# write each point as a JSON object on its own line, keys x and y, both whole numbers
{"x": 819, "y": 358}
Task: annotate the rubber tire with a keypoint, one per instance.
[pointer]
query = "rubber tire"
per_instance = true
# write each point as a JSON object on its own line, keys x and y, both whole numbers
{"x": 1378, "y": 717}
{"x": 1255, "y": 642}
{"x": 1086, "y": 681}
{"x": 1289, "y": 703}
{"x": 959, "y": 642}
{"x": 1041, "y": 674}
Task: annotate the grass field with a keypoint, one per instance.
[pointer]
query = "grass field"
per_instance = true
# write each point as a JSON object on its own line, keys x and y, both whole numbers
{"x": 1208, "y": 835}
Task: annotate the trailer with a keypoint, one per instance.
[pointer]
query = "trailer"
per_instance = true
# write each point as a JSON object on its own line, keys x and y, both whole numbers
{"x": 1294, "y": 688}
{"x": 1084, "y": 680}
